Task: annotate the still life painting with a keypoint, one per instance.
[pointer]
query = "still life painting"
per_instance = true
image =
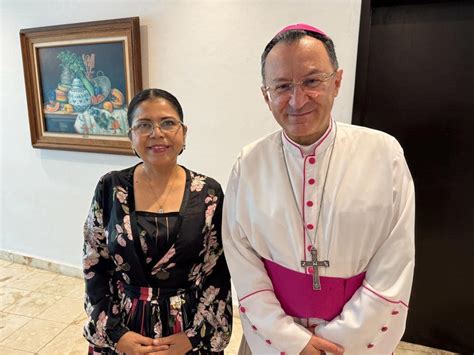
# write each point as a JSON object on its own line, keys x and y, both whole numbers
{"x": 79, "y": 85}
{"x": 84, "y": 89}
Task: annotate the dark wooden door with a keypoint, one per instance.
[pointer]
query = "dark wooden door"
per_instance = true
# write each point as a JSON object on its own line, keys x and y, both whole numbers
{"x": 415, "y": 81}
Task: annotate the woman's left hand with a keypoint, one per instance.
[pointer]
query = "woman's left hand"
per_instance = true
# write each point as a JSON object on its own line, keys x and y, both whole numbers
{"x": 179, "y": 344}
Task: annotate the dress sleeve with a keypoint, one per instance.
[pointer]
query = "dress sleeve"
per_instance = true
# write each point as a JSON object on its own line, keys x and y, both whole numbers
{"x": 104, "y": 326}
{"x": 212, "y": 325}
{"x": 263, "y": 319}
{"x": 373, "y": 321}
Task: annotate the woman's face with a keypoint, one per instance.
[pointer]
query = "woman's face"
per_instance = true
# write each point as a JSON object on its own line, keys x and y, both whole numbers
{"x": 160, "y": 147}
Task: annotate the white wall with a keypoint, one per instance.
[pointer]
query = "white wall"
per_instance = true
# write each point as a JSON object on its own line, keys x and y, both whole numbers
{"x": 205, "y": 52}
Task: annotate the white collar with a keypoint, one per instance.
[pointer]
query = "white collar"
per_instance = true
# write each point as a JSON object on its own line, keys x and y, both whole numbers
{"x": 303, "y": 151}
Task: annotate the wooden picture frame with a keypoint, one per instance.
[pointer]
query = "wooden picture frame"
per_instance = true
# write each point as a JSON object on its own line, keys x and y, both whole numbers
{"x": 79, "y": 79}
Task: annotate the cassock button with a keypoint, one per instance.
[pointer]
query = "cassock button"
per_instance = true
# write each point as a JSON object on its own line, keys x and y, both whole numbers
{"x": 309, "y": 226}
{"x": 254, "y": 327}
{"x": 370, "y": 346}
{"x": 309, "y": 203}
{"x": 311, "y": 181}
{"x": 310, "y": 270}
{"x": 384, "y": 329}
{"x": 394, "y": 313}
{"x": 312, "y": 160}
{"x": 282, "y": 353}
{"x": 268, "y": 341}
{"x": 242, "y": 309}
{"x": 309, "y": 247}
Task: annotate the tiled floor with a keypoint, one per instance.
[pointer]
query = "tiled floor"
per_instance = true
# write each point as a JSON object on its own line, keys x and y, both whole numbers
{"x": 41, "y": 312}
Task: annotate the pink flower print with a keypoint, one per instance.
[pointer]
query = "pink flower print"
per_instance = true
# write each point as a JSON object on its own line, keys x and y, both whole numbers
{"x": 158, "y": 329}
{"x": 126, "y": 278}
{"x": 104, "y": 253}
{"x": 210, "y": 213}
{"x": 121, "y": 194}
{"x": 219, "y": 341}
{"x": 127, "y": 227}
{"x": 165, "y": 259}
{"x": 115, "y": 309}
{"x": 118, "y": 259}
{"x": 89, "y": 275}
{"x": 221, "y": 308}
{"x": 197, "y": 183}
{"x": 121, "y": 241}
{"x": 209, "y": 295}
{"x": 127, "y": 305}
{"x": 210, "y": 263}
{"x": 91, "y": 257}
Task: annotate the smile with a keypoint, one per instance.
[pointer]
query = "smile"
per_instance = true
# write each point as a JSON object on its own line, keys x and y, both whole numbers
{"x": 297, "y": 115}
{"x": 158, "y": 148}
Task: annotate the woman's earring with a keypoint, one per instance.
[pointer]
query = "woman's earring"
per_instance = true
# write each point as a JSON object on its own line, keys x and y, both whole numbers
{"x": 182, "y": 149}
{"x": 135, "y": 152}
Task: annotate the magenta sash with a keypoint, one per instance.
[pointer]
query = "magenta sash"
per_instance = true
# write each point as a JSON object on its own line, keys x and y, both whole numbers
{"x": 295, "y": 292}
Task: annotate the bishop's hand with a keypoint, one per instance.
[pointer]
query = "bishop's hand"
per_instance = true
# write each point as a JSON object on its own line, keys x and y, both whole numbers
{"x": 318, "y": 346}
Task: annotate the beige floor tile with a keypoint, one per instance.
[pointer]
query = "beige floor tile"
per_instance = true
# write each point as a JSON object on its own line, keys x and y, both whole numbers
{"x": 21, "y": 267}
{"x": 10, "y": 323}
{"x": 8, "y": 351}
{"x": 10, "y": 296}
{"x": 65, "y": 310}
{"x": 4, "y": 263}
{"x": 61, "y": 285}
{"x": 7, "y": 275}
{"x": 32, "y": 280}
{"x": 233, "y": 347}
{"x": 70, "y": 341}
{"x": 81, "y": 320}
{"x": 34, "y": 335}
{"x": 77, "y": 291}
{"x": 414, "y": 349}
{"x": 32, "y": 304}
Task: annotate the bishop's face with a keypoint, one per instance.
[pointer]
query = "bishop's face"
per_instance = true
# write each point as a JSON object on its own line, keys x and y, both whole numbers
{"x": 303, "y": 112}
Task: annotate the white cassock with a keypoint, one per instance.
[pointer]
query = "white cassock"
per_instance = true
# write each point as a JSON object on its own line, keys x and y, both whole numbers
{"x": 366, "y": 232}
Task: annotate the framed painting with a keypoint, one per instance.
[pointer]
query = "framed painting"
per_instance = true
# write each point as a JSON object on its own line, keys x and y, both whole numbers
{"x": 79, "y": 79}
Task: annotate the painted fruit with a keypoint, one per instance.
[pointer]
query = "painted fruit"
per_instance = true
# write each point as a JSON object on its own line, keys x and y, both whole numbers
{"x": 68, "y": 108}
{"x": 117, "y": 98}
{"x": 108, "y": 106}
{"x": 52, "y": 107}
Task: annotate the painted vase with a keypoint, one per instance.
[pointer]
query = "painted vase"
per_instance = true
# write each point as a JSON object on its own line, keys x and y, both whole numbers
{"x": 78, "y": 96}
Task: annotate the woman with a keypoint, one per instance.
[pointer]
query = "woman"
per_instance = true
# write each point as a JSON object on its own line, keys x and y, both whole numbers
{"x": 156, "y": 277}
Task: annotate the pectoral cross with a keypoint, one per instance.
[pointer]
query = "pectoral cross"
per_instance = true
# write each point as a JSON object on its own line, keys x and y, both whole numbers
{"x": 315, "y": 263}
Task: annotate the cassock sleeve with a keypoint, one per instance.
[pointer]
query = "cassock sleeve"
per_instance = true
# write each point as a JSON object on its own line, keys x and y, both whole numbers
{"x": 104, "y": 327}
{"x": 260, "y": 311}
{"x": 373, "y": 321}
{"x": 212, "y": 325}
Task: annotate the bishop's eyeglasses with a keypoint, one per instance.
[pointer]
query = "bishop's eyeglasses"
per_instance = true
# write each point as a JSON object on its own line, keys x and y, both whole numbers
{"x": 312, "y": 84}
{"x": 146, "y": 127}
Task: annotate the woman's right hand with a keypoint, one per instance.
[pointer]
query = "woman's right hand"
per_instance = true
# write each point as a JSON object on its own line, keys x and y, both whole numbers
{"x": 132, "y": 343}
{"x": 318, "y": 346}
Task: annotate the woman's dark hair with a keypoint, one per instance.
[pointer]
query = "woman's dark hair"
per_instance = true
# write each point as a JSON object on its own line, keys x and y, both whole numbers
{"x": 294, "y": 35}
{"x": 151, "y": 94}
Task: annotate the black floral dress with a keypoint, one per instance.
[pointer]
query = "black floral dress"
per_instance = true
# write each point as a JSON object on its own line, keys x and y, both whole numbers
{"x": 156, "y": 274}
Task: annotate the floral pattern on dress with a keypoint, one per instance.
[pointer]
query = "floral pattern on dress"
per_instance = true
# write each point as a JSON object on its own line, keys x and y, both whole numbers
{"x": 197, "y": 182}
{"x": 113, "y": 260}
